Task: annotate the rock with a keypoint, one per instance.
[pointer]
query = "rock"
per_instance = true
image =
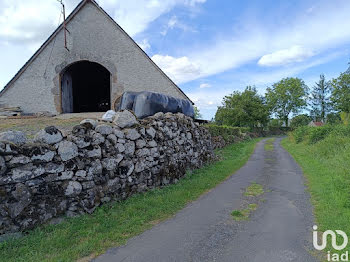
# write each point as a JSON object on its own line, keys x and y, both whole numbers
{"x": 95, "y": 153}
{"x": 125, "y": 118}
{"x": 118, "y": 133}
{"x": 66, "y": 175}
{"x": 140, "y": 166}
{"x": 67, "y": 150}
{"x": 26, "y": 172}
{"x": 152, "y": 143}
{"x": 132, "y": 134}
{"x": 104, "y": 129}
{"x": 189, "y": 136}
{"x": 127, "y": 167}
{"x": 80, "y": 173}
{"x": 112, "y": 138}
{"x": 89, "y": 123}
{"x": 97, "y": 139}
{"x": 81, "y": 142}
{"x": 50, "y": 135}
{"x": 140, "y": 143}
{"x": 15, "y": 137}
{"x": 111, "y": 164}
{"x": 109, "y": 116}
{"x": 142, "y": 152}
{"x": 2, "y": 166}
{"x": 19, "y": 160}
{"x": 129, "y": 148}
{"x": 23, "y": 197}
{"x": 95, "y": 168}
{"x": 151, "y": 132}
{"x": 74, "y": 188}
{"x": 53, "y": 168}
{"x": 47, "y": 157}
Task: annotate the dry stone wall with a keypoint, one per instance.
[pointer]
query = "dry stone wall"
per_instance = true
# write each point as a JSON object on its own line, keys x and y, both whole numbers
{"x": 69, "y": 174}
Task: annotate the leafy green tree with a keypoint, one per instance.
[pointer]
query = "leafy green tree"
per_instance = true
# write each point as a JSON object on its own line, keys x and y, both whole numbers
{"x": 333, "y": 118}
{"x": 197, "y": 113}
{"x": 320, "y": 99}
{"x": 341, "y": 92}
{"x": 244, "y": 109}
{"x": 275, "y": 123}
{"x": 300, "y": 120}
{"x": 287, "y": 96}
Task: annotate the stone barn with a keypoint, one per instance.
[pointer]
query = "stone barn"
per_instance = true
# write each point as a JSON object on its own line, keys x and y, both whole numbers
{"x": 99, "y": 62}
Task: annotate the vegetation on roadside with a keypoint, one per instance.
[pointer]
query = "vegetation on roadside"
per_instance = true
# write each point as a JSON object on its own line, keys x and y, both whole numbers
{"x": 323, "y": 154}
{"x": 228, "y": 133}
{"x": 112, "y": 224}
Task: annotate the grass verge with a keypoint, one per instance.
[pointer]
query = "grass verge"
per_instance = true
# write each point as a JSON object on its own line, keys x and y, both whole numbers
{"x": 112, "y": 224}
{"x": 326, "y": 166}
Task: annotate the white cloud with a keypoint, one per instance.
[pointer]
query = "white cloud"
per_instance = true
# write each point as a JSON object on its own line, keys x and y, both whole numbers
{"x": 178, "y": 69}
{"x": 135, "y": 15}
{"x": 301, "y": 39}
{"x": 204, "y": 85}
{"x": 175, "y": 23}
{"x": 31, "y": 21}
{"x": 286, "y": 56}
{"x": 144, "y": 44}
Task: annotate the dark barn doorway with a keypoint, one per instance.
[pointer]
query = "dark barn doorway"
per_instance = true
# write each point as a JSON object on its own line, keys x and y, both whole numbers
{"x": 85, "y": 87}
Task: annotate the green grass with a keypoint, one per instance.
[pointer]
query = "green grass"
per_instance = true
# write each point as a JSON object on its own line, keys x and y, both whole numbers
{"x": 243, "y": 214}
{"x": 326, "y": 165}
{"x": 269, "y": 144}
{"x": 254, "y": 190}
{"x": 112, "y": 224}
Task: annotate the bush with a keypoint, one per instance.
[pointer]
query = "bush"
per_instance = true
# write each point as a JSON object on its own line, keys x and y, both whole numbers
{"x": 300, "y": 133}
{"x": 228, "y": 133}
{"x": 312, "y": 135}
{"x": 318, "y": 133}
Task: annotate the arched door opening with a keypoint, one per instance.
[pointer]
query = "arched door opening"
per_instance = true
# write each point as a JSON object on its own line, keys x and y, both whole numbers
{"x": 85, "y": 87}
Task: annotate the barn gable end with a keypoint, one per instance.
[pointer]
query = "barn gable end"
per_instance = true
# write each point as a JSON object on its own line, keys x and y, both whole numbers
{"x": 93, "y": 37}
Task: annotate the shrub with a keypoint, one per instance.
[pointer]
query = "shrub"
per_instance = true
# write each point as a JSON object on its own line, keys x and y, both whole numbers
{"x": 318, "y": 133}
{"x": 300, "y": 133}
{"x": 228, "y": 133}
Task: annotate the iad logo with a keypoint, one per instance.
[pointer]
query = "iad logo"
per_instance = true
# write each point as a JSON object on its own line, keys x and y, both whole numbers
{"x": 335, "y": 256}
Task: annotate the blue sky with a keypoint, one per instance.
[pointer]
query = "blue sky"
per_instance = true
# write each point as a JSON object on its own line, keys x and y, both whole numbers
{"x": 209, "y": 48}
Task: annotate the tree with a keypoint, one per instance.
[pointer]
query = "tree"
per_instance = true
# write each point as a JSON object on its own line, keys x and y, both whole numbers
{"x": 197, "y": 113}
{"x": 320, "y": 99}
{"x": 287, "y": 96}
{"x": 246, "y": 109}
{"x": 300, "y": 120}
{"x": 341, "y": 92}
{"x": 333, "y": 118}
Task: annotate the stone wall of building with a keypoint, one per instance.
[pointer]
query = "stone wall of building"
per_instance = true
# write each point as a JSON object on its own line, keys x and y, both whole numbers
{"x": 60, "y": 174}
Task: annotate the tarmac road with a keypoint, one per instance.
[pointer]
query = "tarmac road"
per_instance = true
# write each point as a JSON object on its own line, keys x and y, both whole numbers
{"x": 280, "y": 230}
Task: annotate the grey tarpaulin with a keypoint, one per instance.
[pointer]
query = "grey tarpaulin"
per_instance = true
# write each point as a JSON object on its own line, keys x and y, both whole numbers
{"x": 145, "y": 104}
